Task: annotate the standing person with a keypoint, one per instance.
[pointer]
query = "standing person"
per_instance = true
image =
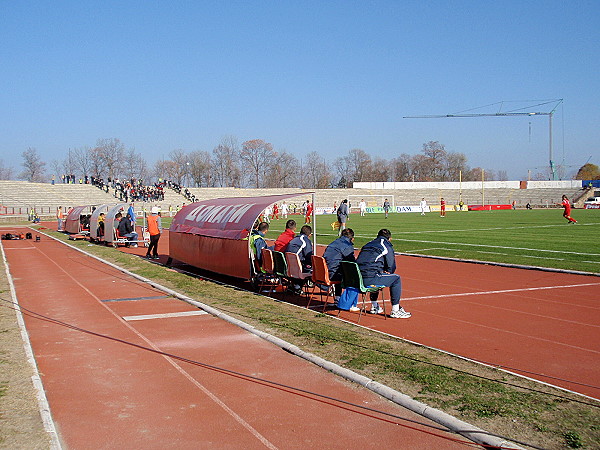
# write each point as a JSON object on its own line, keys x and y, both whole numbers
{"x": 60, "y": 217}
{"x": 154, "y": 228}
{"x": 386, "y": 207}
{"x": 442, "y": 207}
{"x": 377, "y": 263}
{"x": 276, "y": 211}
{"x": 423, "y": 206}
{"x": 309, "y": 210}
{"x": 342, "y": 214}
{"x": 363, "y": 207}
{"x": 567, "y": 213}
{"x": 267, "y": 214}
{"x": 284, "y": 210}
{"x": 333, "y": 211}
{"x": 342, "y": 249}
{"x": 284, "y": 238}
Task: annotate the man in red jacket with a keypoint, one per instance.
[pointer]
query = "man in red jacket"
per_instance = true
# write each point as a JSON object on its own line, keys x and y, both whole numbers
{"x": 284, "y": 238}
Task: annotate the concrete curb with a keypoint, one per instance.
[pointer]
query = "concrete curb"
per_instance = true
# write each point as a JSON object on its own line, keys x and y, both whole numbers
{"x": 465, "y": 429}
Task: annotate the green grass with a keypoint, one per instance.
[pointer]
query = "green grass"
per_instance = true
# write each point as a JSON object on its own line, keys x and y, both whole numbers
{"x": 532, "y": 238}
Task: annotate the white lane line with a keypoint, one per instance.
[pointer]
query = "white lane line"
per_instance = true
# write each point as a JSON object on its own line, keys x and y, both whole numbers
{"x": 462, "y": 244}
{"x": 165, "y": 316}
{"x": 504, "y": 291}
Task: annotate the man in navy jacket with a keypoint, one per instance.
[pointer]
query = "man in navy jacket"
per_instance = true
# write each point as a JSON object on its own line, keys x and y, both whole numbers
{"x": 342, "y": 249}
{"x": 302, "y": 246}
{"x": 377, "y": 263}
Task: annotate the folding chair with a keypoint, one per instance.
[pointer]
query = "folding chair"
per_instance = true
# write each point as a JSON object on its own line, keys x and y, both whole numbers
{"x": 294, "y": 271}
{"x": 320, "y": 277}
{"x": 280, "y": 269}
{"x": 351, "y": 277}
{"x": 266, "y": 276}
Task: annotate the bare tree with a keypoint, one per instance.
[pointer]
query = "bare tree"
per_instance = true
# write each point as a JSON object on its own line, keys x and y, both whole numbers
{"x": 200, "y": 168}
{"x": 380, "y": 170}
{"x": 455, "y": 164}
{"x": 6, "y": 173}
{"x": 400, "y": 168}
{"x": 359, "y": 163}
{"x": 316, "y": 172}
{"x": 83, "y": 160}
{"x": 284, "y": 171}
{"x": 257, "y": 157}
{"x": 134, "y": 166}
{"x": 434, "y": 165}
{"x": 176, "y": 168}
{"x": 342, "y": 167}
{"x": 225, "y": 164}
{"x": 112, "y": 153}
{"x": 34, "y": 167}
{"x": 97, "y": 163}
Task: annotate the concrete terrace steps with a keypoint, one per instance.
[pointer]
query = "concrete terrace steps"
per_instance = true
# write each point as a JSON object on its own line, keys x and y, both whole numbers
{"x": 327, "y": 197}
{"x": 46, "y": 197}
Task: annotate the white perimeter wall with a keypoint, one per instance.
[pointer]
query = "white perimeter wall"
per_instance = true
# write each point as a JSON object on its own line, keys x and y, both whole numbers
{"x": 468, "y": 185}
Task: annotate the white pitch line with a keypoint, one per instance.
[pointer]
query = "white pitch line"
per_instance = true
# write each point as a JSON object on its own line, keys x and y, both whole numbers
{"x": 420, "y": 251}
{"x": 164, "y": 316}
{"x": 496, "y": 228}
{"x": 496, "y": 246}
{"x": 504, "y": 291}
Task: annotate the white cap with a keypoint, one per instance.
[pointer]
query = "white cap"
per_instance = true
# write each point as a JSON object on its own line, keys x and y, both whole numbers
{"x": 155, "y": 210}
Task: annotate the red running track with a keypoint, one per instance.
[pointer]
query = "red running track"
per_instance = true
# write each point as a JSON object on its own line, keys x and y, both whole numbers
{"x": 105, "y": 394}
{"x": 540, "y": 324}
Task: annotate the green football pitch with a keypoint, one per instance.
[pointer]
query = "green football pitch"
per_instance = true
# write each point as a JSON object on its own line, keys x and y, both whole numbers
{"x": 540, "y": 238}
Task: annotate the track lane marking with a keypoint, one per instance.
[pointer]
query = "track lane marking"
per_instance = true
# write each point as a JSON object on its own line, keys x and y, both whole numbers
{"x": 501, "y": 291}
{"x": 164, "y": 316}
{"x": 177, "y": 367}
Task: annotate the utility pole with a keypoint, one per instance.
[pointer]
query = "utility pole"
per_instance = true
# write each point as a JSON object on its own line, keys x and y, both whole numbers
{"x": 518, "y": 112}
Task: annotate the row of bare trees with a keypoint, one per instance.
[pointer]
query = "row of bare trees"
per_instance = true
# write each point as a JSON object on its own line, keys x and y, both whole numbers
{"x": 254, "y": 163}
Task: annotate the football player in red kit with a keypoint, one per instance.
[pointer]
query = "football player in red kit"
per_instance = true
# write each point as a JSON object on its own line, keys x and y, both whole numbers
{"x": 567, "y": 213}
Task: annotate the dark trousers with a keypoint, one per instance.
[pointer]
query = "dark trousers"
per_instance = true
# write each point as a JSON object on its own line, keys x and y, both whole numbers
{"x": 390, "y": 280}
{"x": 153, "y": 247}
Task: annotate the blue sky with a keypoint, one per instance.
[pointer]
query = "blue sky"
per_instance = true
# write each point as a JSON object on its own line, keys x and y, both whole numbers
{"x": 324, "y": 76}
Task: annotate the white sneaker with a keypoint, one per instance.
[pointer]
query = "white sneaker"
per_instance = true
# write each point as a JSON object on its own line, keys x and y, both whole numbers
{"x": 400, "y": 314}
{"x": 376, "y": 310}
{"x": 354, "y": 309}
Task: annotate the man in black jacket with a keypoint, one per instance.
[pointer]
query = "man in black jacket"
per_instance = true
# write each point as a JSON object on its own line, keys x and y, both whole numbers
{"x": 125, "y": 229}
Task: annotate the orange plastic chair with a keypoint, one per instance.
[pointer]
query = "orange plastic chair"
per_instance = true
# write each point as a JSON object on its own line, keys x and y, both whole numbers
{"x": 294, "y": 269}
{"x": 268, "y": 267}
{"x": 320, "y": 277}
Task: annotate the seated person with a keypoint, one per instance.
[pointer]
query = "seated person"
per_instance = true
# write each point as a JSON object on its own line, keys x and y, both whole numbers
{"x": 377, "y": 264}
{"x": 302, "y": 246}
{"x": 342, "y": 249}
{"x": 126, "y": 229}
{"x": 100, "y": 230}
{"x": 284, "y": 238}
{"x": 257, "y": 241}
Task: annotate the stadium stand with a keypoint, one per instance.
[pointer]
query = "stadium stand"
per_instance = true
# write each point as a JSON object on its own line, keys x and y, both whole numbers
{"x": 19, "y": 197}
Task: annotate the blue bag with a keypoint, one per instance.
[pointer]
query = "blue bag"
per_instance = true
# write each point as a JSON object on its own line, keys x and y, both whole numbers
{"x": 348, "y": 298}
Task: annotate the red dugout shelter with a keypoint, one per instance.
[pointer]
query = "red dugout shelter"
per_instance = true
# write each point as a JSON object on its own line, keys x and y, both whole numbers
{"x": 212, "y": 234}
{"x": 73, "y": 220}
